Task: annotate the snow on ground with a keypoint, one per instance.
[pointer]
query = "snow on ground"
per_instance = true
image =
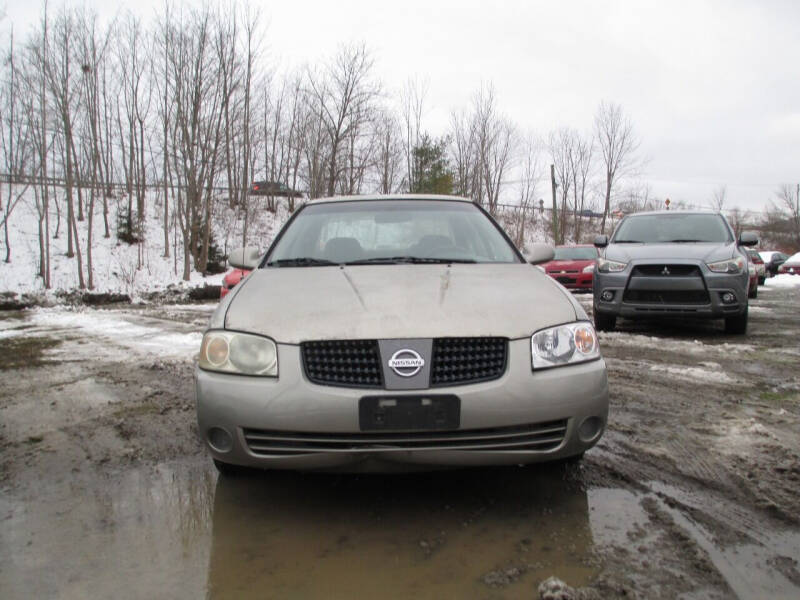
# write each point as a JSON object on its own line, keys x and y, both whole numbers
{"x": 619, "y": 338}
{"x": 758, "y": 309}
{"x": 783, "y": 280}
{"x": 116, "y": 264}
{"x": 120, "y": 333}
{"x": 712, "y": 372}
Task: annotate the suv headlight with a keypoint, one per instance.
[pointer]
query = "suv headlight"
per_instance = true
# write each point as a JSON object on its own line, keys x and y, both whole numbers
{"x": 564, "y": 345}
{"x": 733, "y": 266}
{"x": 610, "y": 266}
{"x": 240, "y": 353}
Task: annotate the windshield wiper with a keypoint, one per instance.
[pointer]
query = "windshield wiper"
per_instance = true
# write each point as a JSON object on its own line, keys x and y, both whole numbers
{"x": 393, "y": 260}
{"x": 304, "y": 261}
{"x": 682, "y": 241}
{"x": 628, "y": 242}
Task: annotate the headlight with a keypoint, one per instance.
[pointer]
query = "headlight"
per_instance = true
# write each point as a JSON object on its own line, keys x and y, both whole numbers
{"x": 733, "y": 266}
{"x": 242, "y": 353}
{"x": 610, "y": 266}
{"x": 589, "y": 268}
{"x": 564, "y": 345}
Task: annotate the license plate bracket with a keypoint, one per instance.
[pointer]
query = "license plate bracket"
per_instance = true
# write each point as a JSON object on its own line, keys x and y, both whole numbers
{"x": 421, "y": 412}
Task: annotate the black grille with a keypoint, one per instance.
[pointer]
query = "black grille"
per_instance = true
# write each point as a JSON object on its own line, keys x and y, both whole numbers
{"x": 536, "y": 436}
{"x": 347, "y": 363}
{"x": 657, "y": 270}
{"x": 666, "y": 296}
{"x": 467, "y": 360}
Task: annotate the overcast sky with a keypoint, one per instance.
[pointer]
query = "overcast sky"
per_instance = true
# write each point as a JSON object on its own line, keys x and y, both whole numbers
{"x": 713, "y": 88}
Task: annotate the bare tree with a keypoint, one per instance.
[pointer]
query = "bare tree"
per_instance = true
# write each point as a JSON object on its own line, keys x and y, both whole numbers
{"x": 93, "y": 47}
{"x": 197, "y": 100}
{"x": 389, "y": 155}
{"x": 14, "y": 141}
{"x": 530, "y": 173}
{"x": 412, "y": 100}
{"x": 718, "y": 197}
{"x": 483, "y": 144}
{"x": 618, "y": 145}
{"x": 789, "y": 201}
{"x": 345, "y": 95}
{"x": 64, "y": 95}
{"x": 562, "y": 144}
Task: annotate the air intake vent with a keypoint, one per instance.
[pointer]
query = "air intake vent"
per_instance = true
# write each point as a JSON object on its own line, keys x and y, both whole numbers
{"x": 467, "y": 360}
{"x": 539, "y": 437}
{"x": 345, "y": 363}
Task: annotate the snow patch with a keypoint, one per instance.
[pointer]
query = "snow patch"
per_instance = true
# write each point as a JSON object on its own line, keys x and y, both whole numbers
{"x": 141, "y": 338}
{"x": 712, "y": 373}
{"x": 119, "y": 267}
{"x": 783, "y": 280}
{"x": 619, "y": 338}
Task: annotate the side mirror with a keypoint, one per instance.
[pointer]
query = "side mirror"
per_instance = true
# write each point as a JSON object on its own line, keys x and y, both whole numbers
{"x": 601, "y": 241}
{"x": 539, "y": 253}
{"x": 748, "y": 238}
{"x": 244, "y": 258}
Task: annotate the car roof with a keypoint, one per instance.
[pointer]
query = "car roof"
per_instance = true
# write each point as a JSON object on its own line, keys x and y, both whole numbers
{"x": 389, "y": 197}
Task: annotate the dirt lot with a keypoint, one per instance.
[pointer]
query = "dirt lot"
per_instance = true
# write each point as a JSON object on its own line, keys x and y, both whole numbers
{"x": 105, "y": 491}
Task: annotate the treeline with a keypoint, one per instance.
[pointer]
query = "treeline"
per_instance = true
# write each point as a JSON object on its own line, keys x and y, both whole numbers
{"x": 185, "y": 111}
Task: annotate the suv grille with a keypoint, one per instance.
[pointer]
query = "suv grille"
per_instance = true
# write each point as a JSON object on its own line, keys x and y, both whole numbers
{"x": 666, "y": 296}
{"x": 357, "y": 363}
{"x": 349, "y": 363}
{"x": 536, "y": 436}
{"x": 467, "y": 360}
{"x": 672, "y": 271}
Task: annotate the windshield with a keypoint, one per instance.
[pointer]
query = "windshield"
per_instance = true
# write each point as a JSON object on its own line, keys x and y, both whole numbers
{"x": 388, "y": 232}
{"x": 673, "y": 228}
{"x": 587, "y": 253}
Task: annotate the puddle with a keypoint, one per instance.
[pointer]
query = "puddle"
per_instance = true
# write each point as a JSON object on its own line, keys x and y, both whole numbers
{"x": 177, "y": 531}
{"x": 143, "y": 534}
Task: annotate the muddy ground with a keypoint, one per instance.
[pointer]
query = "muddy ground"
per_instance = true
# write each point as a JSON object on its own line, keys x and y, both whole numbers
{"x": 105, "y": 490}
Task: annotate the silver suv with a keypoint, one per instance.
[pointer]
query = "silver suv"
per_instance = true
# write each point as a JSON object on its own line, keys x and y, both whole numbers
{"x": 672, "y": 264}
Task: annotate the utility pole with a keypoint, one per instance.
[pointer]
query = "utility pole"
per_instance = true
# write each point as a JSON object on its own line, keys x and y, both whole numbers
{"x": 554, "y": 215}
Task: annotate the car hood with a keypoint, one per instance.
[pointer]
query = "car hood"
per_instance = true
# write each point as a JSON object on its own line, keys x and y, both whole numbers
{"x": 292, "y": 305}
{"x": 662, "y": 252}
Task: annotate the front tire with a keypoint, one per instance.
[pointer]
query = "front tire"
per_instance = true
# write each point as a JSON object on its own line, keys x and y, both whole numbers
{"x": 736, "y": 325}
{"x": 753, "y": 293}
{"x": 604, "y": 322}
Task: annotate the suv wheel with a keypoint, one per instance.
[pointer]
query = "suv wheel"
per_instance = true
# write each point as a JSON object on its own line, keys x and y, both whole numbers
{"x": 736, "y": 325}
{"x": 604, "y": 322}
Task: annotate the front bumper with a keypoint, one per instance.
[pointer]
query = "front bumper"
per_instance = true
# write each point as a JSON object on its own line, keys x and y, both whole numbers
{"x": 291, "y": 404}
{"x": 716, "y": 285}
{"x": 573, "y": 281}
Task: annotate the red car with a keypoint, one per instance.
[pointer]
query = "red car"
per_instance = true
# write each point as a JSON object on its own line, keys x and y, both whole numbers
{"x": 752, "y": 287}
{"x": 573, "y": 266}
{"x": 232, "y": 277}
{"x": 791, "y": 266}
